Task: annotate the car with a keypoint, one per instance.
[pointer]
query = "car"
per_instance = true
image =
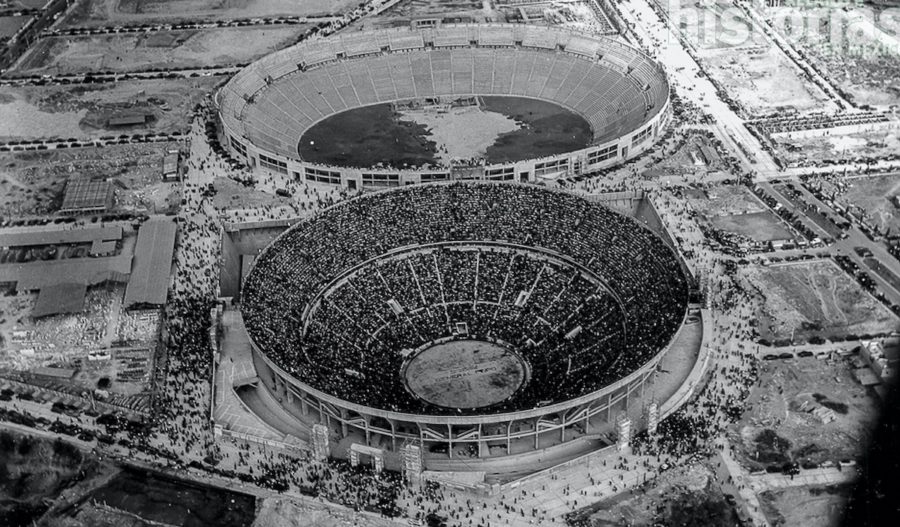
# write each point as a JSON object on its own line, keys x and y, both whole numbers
{"x": 805, "y": 354}
{"x": 790, "y": 469}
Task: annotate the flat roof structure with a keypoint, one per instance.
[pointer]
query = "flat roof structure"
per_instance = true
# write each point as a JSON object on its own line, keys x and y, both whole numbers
{"x": 128, "y": 119}
{"x": 84, "y": 195}
{"x": 59, "y": 299}
{"x": 58, "y": 373}
{"x": 55, "y": 236}
{"x": 170, "y": 164}
{"x": 152, "y": 262}
{"x": 103, "y": 248}
{"x": 32, "y": 276}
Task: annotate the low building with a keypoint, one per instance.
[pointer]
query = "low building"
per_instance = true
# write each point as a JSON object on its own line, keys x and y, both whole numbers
{"x": 58, "y": 299}
{"x": 131, "y": 119}
{"x": 170, "y": 166}
{"x": 883, "y": 363}
{"x": 149, "y": 281}
{"x": 84, "y": 196}
{"x": 55, "y": 373}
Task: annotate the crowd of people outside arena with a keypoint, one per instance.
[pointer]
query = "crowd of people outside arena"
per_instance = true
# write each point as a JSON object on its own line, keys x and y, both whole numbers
{"x": 677, "y": 441}
{"x": 182, "y": 432}
{"x": 640, "y": 272}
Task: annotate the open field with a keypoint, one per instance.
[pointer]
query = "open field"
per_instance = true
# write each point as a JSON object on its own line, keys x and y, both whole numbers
{"x": 500, "y": 129}
{"x": 805, "y": 506}
{"x": 34, "y": 472}
{"x": 780, "y": 427}
{"x": 713, "y": 25}
{"x": 816, "y": 299}
{"x": 687, "y": 152}
{"x": 232, "y": 195}
{"x": 33, "y": 183}
{"x": 838, "y": 147}
{"x": 762, "y": 226}
{"x": 131, "y": 12}
{"x": 284, "y": 512}
{"x": 456, "y": 10}
{"x": 872, "y": 196}
{"x": 563, "y": 13}
{"x": 10, "y": 24}
{"x": 83, "y": 111}
{"x": 570, "y": 14}
{"x": 26, "y": 4}
{"x": 734, "y": 209}
{"x": 573, "y": 15}
{"x": 665, "y": 500}
{"x": 764, "y": 81}
{"x": 726, "y": 200}
{"x": 465, "y": 374}
{"x": 171, "y": 49}
{"x": 858, "y": 56}
{"x": 58, "y": 337}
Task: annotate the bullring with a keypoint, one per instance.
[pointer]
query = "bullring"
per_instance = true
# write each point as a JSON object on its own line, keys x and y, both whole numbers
{"x": 584, "y": 298}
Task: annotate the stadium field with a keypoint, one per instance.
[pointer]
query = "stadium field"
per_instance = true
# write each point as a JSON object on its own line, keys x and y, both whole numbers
{"x": 509, "y": 129}
{"x": 465, "y": 374}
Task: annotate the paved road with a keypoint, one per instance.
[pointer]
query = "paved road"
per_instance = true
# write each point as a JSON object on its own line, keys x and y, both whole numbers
{"x": 95, "y": 78}
{"x": 181, "y": 26}
{"x": 54, "y": 144}
{"x": 791, "y": 53}
{"x": 818, "y": 476}
{"x": 736, "y": 481}
{"x": 694, "y": 85}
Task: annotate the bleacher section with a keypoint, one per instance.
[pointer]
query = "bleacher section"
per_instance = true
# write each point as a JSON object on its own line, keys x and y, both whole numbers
{"x": 274, "y": 101}
{"x": 585, "y": 295}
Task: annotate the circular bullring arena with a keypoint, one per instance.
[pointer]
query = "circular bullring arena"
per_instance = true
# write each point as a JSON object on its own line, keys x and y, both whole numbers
{"x": 385, "y": 108}
{"x": 499, "y": 318}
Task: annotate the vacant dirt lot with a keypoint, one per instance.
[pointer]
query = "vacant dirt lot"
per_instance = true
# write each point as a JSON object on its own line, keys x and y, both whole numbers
{"x": 725, "y": 200}
{"x": 858, "y": 56}
{"x": 780, "y": 426}
{"x": 873, "y": 196}
{"x": 764, "y": 81}
{"x": 816, "y": 299}
{"x": 33, "y": 183}
{"x": 130, "y": 12}
{"x": 83, "y": 111}
{"x": 761, "y": 226}
{"x": 171, "y": 49}
{"x": 805, "y": 506}
{"x": 839, "y": 147}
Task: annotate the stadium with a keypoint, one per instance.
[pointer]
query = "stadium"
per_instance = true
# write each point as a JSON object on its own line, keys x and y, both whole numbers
{"x": 612, "y": 94}
{"x": 477, "y": 320}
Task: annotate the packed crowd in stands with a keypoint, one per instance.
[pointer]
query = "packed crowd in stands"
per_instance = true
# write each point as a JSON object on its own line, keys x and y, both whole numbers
{"x": 588, "y": 334}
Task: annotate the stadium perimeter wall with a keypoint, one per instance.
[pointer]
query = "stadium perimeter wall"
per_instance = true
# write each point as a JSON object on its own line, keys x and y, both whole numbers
{"x": 594, "y": 414}
{"x": 549, "y": 428}
{"x": 257, "y": 77}
{"x": 570, "y": 164}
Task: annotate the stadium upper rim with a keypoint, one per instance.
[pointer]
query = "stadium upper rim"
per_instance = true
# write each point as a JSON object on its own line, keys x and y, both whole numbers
{"x": 271, "y": 103}
{"x": 483, "y": 415}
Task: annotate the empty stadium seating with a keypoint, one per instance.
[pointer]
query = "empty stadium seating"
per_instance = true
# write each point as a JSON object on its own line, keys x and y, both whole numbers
{"x": 275, "y": 100}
